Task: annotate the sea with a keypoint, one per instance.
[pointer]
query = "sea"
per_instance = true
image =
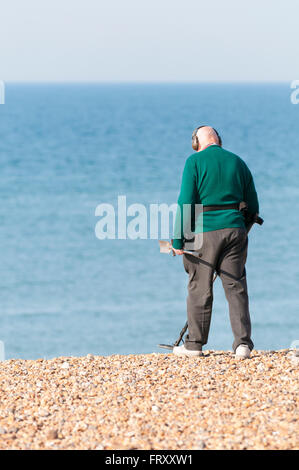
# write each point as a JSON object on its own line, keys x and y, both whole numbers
{"x": 66, "y": 148}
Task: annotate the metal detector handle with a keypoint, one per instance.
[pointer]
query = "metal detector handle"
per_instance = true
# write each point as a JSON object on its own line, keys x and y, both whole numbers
{"x": 256, "y": 219}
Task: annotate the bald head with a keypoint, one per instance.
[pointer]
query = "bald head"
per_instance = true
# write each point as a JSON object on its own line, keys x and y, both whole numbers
{"x": 207, "y": 136}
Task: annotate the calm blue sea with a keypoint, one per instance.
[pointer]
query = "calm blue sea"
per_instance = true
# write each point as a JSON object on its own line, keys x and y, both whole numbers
{"x": 64, "y": 149}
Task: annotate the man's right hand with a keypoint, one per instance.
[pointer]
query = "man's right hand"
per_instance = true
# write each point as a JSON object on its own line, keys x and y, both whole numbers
{"x": 177, "y": 252}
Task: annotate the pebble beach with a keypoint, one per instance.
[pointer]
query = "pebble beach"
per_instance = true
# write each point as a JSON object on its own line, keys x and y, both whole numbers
{"x": 152, "y": 401}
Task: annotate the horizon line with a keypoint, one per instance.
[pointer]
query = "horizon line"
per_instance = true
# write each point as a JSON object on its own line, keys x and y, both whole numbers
{"x": 147, "y": 82}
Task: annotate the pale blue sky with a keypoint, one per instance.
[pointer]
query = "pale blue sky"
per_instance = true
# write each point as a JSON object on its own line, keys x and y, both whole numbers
{"x": 154, "y": 40}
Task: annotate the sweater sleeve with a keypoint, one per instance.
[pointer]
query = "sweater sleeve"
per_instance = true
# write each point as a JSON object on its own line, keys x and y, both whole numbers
{"x": 188, "y": 195}
{"x": 250, "y": 196}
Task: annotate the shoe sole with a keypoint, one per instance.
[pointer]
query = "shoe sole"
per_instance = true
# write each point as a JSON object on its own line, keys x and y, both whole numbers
{"x": 180, "y": 354}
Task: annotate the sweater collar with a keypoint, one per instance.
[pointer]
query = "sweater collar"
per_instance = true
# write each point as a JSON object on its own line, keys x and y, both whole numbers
{"x": 209, "y": 145}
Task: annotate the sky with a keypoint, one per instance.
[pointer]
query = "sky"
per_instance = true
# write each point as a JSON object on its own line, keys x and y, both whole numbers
{"x": 154, "y": 40}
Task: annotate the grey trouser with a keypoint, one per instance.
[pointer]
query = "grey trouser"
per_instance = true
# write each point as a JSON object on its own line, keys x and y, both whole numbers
{"x": 225, "y": 251}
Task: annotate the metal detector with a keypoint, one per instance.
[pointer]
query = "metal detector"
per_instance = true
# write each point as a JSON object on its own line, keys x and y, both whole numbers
{"x": 166, "y": 247}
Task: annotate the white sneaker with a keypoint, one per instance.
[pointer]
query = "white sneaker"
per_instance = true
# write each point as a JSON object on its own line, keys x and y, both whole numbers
{"x": 243, "y": 351}
{"x": 182, "y": 351}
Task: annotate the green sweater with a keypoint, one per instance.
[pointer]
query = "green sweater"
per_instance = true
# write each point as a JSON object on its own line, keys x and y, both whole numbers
{"x": 215, "y": 176}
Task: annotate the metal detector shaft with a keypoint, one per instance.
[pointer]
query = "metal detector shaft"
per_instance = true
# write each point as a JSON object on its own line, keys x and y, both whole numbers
{"x": 183, "y": 331}
{"x": 192, "y": 253}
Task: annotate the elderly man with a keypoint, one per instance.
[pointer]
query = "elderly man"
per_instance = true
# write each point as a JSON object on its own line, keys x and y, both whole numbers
{"x": 220, "y": 181}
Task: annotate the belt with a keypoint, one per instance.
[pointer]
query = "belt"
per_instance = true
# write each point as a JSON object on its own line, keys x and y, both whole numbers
{"x": 223, "y": 207}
